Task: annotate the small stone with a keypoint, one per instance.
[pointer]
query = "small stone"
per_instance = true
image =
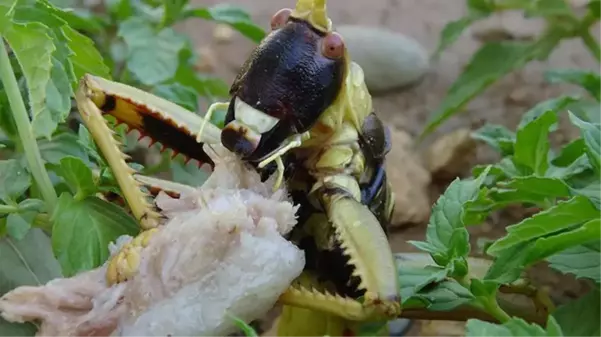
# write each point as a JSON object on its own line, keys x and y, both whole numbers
{"x": 522, "y": 96}
{"x": 450, "y": 155}
{"x": 509, "y": 25}
{"x": 389, "y": 60}
{"x": 409, "y": 180}
{"x": 223, "y": 33}
{"x": 206, "y": 59}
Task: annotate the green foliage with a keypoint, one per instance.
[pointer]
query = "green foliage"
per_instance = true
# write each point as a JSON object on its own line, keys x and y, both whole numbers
{"x": 495, "y": 59}
{"x": 587, "y": 308}
{"x": 565, "y": 231}
{"x": 513, "y": 327}
{"x": 52, "y": 221}
{"x": 25, "y": 262}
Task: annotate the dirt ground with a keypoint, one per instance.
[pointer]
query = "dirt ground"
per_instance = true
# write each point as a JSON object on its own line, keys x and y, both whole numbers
{"x": 503, "y": 103}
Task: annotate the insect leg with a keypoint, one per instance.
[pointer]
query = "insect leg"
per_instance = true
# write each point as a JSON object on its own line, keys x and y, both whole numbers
{"x": 207, "y": 117}
{"x": 110, "y": 148}
{"x": 292, "y": 142}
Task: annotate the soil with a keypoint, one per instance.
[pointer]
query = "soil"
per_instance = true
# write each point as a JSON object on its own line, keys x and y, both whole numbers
{"x": 408, "y": 109}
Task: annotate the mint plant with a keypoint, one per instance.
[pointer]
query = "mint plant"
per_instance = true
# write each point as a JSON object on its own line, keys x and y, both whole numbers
{"x": 565, "y": 232}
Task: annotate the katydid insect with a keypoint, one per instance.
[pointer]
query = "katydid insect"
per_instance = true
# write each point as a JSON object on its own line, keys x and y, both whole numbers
{"x": 298, "y": 106}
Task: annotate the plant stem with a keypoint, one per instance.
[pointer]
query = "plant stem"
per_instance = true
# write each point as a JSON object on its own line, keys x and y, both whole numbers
{"x": 492, "y": 307}
{"x": 30, "y": 146}
{"x": 591, "y": 44}
{"x": 4, "y": 209}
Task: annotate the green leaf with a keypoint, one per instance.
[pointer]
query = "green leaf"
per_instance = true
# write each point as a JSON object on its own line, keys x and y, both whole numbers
{"x": 555, "y": 104}
{"x": 31, "y": 204}
{"x": 490, "y": 63}
{"x": 58, "y": 101}
{"x": 591, "y": 133}
{"x": 453, "y": 30}
{"x": 377, "y": 328}
{"x": 173, "y": 11}
{"x": 587, "y": 110}
{"x": 414, "y": 279}
{"x": 591, "y": 191}
{"x": 484, "y": 289}
{"x": 549, "y": 8}
{"x": 545, "y": 187}
{"x": 77, "y": 18}
{"x": 496, "y": 136}
{"x": 428, "y": 287}
{"x": 153, "y": 57}
{"x": 16, "y": 329}
{"x": 484, "y": 6}
{"x": 246, "y": 329}
{"x": 28, "y": 262}
{"x": 178, "y": 94}
{"x": 553, "y": 327}
{"x": 504, "y": 197}
{"x": 86, "y": 59}
{"x": 594, "y": 7}
{"x": 60, "y": 146}
{"x": 571, "y": 160}
{"x": 122, "y": 9}
{"x": 14, "y": 179}
{"x": 569, "y": 153}
{"x": 580, "y": 165}
{"x": 588, "y": 80}
{"x": 545, "y": 247}
{"x": 188, "y": 173}
{"x": 446, "y": 296}
{"x": 557, "y": 218}
{"x": 232, "y": 15}
{"x": 78, "y": 176}
{"x": 17, "y": 226}
{"x": 514, "y": 327}
{"x": 582, "y": 261}
{"x": 206, "y": 86}
{"x": 580, "y": 317}
{"x": 33, "y": 48}
{"x": 444, "y": 239}
{"x": 532, "y": 143}
{"x": 85, "y": 139}
{"x": 508, "y": 266}
{"x": 83, "y": 229}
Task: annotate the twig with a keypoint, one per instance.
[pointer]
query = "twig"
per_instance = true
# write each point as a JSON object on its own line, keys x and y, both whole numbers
{"x": 463, "y": 313}
{"x": 539, "y": 297}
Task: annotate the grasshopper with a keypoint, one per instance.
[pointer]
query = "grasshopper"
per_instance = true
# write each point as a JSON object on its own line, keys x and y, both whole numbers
{"x": 299, "y": 109}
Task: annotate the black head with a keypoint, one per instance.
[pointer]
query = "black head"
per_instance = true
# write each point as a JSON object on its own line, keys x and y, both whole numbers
{"x": 294, "y": 74}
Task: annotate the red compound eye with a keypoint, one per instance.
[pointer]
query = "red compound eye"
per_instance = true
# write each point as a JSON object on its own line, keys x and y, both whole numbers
{"x": 280, "y": 18}
{"x": 333, "y": 46}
